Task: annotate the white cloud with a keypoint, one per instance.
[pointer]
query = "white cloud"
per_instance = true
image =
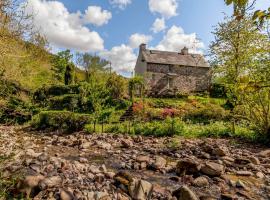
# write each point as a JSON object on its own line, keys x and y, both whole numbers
{"x": 62, "y": 28}
{"x": 176, "y": 39}
{"x": 122, "y": 58}
{"x": 167, "y": 8}
{"x": 136, "y": 39}
{"x": 95, "y": 15}
{"x": 158, "y": 25}
{"x": 120, "y": 3}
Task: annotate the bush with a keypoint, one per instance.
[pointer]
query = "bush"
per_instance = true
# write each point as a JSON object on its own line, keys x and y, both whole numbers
{"x": 60, "y": 120}
{"x": 68, "y": 102}
{"x": 204, "y": 113}
{"x": 217, "y": 91}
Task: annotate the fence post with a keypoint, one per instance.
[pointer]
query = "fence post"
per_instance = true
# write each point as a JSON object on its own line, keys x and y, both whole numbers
{"x": 94, "y": 126}
{"x": 102, "y": 126}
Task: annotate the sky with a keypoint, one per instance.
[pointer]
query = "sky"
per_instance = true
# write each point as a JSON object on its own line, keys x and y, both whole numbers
{"x": 114, "y": 29}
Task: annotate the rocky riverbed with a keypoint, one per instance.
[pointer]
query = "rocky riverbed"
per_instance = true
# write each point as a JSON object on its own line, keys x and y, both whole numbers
{"x": 122, "y": 167}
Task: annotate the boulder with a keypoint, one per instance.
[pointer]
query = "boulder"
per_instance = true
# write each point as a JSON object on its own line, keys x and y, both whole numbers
{"x": 159, "y": 163}
{"x": 30, "y": 185}
{"x": 187, "y": 166}
{"x": 66, "y": 195}
{"x": 265, "y": 153}
{"x": 140, "y": 189}
{"x": 201, "y": 182}
{"x": 143, "y": 159}
{"x": 50, "y": 182}
{"x": 212, "y": 169}
{"x": 184, "y": 193}
{"x": 220, "y": 151}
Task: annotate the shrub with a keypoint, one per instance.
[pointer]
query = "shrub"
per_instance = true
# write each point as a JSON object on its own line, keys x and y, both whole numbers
{"x": 217, "y": 91}
{"x": 68, "y": 102}
{"x": 60, "y": 120}
{"x": 204, "y": 113}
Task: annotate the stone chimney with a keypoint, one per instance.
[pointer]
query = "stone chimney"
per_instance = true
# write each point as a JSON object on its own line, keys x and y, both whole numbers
{"x": 184, "y": 51}
{"x": 142, "y": 47}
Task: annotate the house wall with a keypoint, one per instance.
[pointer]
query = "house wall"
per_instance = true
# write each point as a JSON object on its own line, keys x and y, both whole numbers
{"x": 141, "y": 65}
{"x": 188, "y": 79}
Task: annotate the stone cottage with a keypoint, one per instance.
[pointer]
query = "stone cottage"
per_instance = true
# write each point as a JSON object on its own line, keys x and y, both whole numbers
{"x": 171, "y": 73}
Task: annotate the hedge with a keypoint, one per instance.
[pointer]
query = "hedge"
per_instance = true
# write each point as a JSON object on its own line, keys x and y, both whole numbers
{"x": 60, "y": 120}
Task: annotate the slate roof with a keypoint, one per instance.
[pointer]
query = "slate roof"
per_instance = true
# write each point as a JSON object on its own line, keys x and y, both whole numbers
{"x": 174, "y": 58}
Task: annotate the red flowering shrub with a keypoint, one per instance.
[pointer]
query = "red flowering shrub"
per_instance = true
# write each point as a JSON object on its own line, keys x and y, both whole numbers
{"x": 169, "y": 112}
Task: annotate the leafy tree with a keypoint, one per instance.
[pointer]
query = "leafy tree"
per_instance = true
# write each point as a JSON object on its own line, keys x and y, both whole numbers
{"x": 136, "y": 84}
{"x": 90, "y": 63}
{"x": 60, "y": 62}
{"x": 240, "y": 57}
{"x": 116, "y": 86}
{"x": 69, "y": 74}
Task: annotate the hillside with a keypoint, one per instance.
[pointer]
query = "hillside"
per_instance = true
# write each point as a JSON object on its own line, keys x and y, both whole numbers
{"x": 28, "y": 65}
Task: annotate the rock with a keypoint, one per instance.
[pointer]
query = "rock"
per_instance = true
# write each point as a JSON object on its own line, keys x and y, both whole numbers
{"x": 66, "y": 195}
{"x": 187, "y": 166}
{"x": 184, "y": 193}
{"x": 140, "y": 189}
{"x": 50, "y": 182}
{"x": 260, "y": 175}
{"x": 265, "y": 153}
{"x": 102, "y": 196}
{"x": 159, "y": 163}
{"x": 244, "y": 173}
{"x": 212, "y": 169}
{"x": 240, "y": 184}
{"x": 143, "y": 159}
{"x": 30, "y": 185}
{"x": 86, "y": 145}
{"x": 126, "y": 143}
{"x": 32, "y": 153}
{"x": 201, "y": 182}
{"x": 242, "y": 161}
{"x": 254, "y": 160}
{"x": 220, "y": 151}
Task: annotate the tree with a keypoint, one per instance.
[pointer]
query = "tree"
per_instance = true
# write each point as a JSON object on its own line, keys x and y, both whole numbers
{"x": 136, "y": 84}
{"x": 241, "y": 7}
{"x": 116, "y": 86}
{"x": 90, "y": 63}
{"x": 69, "y": 74}
{"x": 60, "y": 62}
{"x": 240, "y": 57}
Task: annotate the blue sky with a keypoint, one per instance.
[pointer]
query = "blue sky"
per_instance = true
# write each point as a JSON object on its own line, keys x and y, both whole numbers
{"x": 113, "y": 29}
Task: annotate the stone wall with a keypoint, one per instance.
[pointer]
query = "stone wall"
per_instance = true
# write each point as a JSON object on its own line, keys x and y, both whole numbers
{"x": 185, "y": 80}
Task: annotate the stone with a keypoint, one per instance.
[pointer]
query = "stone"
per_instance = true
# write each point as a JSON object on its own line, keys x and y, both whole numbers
{"x": 159, "y": 162}
{"x": 201, "y": 182}
{"x": 140, "y": 189}
{"x": 240, "y": 184}
{"x": 184, "y": 193}
{"x": 30, "y": 185}
{"x": 244, "y": 173}
{"x": 265, "y": 153}
{"x": 260, "y": 175}
{"x": 187, "y": 166}
{"x": 66, "y": 195}
{"x": 254, "y": 160}
{"x": 32, "y": 153}
{"x": 50, "y": 182}
{"x": 212, "y": 169}
{"x": 126, "y": 143}
{"x": 143, "y": 159}
{"x": 220, "y": 151}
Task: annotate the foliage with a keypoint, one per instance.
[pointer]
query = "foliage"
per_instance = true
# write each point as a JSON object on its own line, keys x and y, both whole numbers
{"x": 136, "y": 84}
{"x": 69, "y": 74}
{"x": 241, "y": 57}
{"x": 217, "y": 90}
{"x": 90, "y": 63}
{"x": 70, "y": 102}
{"x": 60, "y": 120}
{"x": 60, "y": 63}
{"x": 116, "y": 85}
{"x": 175, "y": 127}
